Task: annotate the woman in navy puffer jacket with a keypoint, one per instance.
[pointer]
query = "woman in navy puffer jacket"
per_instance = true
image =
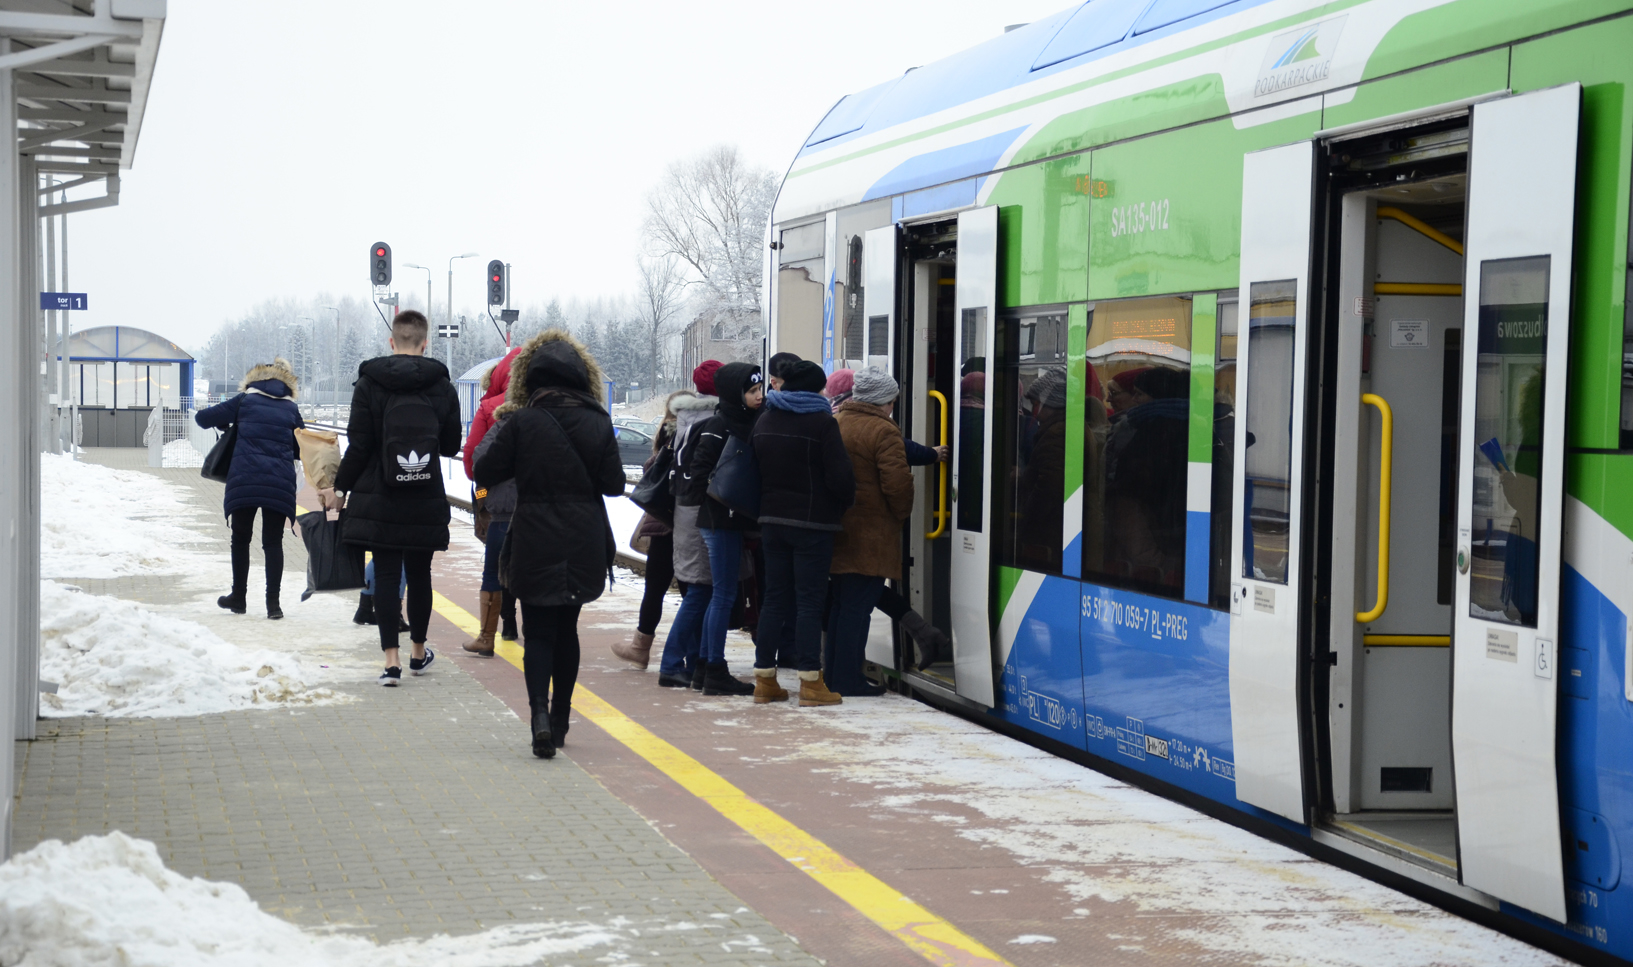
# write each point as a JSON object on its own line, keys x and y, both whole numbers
{"x": 262, "y": 473}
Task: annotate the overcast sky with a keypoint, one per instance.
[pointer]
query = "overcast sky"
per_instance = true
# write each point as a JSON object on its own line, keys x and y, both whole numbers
{"x": 281, "y": 140}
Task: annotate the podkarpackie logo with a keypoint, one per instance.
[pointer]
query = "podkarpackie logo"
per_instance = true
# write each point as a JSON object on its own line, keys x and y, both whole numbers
{"x": 1299, "y": 56}
{"x": 413, "y": 467}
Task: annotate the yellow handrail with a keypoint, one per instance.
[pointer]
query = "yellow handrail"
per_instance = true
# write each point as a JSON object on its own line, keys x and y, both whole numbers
{"x": 1388, "y": 211}
{"x": 1386, "y": 451}
{"x": 942, "y": 513}
{"x": 1417, "y": 288}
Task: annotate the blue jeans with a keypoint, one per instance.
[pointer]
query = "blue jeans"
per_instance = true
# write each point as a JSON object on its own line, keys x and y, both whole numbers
{"x": 368, "y": 579}
{"x": 849, "y": 616}
{"x": 725, "y": 559}
{"x": 497, "y": 529}
{"x": 681, "y": 647}
{"x": 796, "y": 588}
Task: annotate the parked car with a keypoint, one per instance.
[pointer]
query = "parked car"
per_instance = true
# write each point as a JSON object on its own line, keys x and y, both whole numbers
{"x": 634, "y": 445}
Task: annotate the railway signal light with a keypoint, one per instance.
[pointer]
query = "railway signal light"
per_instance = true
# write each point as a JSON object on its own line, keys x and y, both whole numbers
{"x": 380, "y": 263}
{"x": 496, "y": 283}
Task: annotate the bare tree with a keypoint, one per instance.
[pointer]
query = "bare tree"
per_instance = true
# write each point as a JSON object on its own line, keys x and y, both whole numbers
{"x": 709, "y": 213}
{"x": 660, "y": 296}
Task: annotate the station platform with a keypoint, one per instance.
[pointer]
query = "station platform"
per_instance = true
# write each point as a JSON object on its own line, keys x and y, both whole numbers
{"x": 673, "y": 828}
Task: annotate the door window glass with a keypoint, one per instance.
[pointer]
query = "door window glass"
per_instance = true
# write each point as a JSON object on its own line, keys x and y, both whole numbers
{"x": 1268, "y": 461}
{"x": 1029, "y": 429}
{"x": 1136, "y": 428}
{"x": 1224, "y": 453}
{"x": 972, "y": 402}
{"x": 799, "y": 290}
{"x": 1508, "y": 389}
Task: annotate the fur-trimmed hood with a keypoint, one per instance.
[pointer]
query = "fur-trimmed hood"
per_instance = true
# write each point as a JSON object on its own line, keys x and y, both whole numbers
{"x": 553, "y": 357}
{"x": 685, "y": 400}
{"x": 276, "y": 371}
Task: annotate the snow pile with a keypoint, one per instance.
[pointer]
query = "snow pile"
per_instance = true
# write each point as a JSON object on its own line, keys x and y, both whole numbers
{"x": 111, "y": 657}
{"x": 182, "y": 453}
{"x": 111, "y": 900}
{"x": 97, "y": 522}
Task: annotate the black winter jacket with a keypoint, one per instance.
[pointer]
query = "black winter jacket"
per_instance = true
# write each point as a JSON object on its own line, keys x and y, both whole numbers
{"x": 557, "y": 442}
{"x": 805, "y": 471}
{"x": 376, "y": 517}
{"x": 732, "y": 418}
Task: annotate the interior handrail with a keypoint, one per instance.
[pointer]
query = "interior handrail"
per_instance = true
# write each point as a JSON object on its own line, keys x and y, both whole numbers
{"x": 1389, "y": 211}
{"x": 942, "y": 513}
{"x": 1386, "y": 450}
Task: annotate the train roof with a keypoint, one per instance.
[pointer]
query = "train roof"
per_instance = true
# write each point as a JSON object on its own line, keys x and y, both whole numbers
{"x": 1112, "y": 69}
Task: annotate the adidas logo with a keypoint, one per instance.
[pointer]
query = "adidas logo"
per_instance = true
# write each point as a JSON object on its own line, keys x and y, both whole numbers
{"x": 414, "y": 463}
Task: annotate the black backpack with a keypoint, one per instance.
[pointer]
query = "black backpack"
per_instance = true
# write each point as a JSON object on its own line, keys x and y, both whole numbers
{"x": 409, "y": 430}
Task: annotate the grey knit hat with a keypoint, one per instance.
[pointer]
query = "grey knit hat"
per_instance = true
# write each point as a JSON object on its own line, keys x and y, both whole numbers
{"x": 1049, "y": 389}
{"x": 874, "y": 385}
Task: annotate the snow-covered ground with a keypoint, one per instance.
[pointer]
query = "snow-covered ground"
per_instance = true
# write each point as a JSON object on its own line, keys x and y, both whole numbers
{"x": 97, "y": 522}
{"x": 182, "y": 453}
{"x": 105, "y": 900}
{"x": 114, "y": 658}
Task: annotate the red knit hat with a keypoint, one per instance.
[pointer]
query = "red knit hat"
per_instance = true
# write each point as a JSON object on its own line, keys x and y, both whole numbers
{"x": 703, "y": 376}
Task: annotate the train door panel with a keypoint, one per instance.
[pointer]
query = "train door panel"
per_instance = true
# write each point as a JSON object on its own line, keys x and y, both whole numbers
{"x": 1510, "y": 497}
{"x": 975, "y": 308}
{"x": 881, "y": 254}
{"x": 1264, "y": 641}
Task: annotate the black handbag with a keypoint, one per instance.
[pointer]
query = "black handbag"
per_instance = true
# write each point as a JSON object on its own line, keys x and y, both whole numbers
{"x": 735, "y": 480}
{"x": 331, "y": 563}
{"x": 653, "y": 494}
{"x": 218, "y": 461}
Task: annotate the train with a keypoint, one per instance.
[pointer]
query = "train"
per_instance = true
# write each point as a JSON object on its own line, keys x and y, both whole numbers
{"x": 1285, "y": 351}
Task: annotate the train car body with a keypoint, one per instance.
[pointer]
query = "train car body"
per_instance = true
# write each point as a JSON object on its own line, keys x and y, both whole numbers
{"x": 1280, "y": 346}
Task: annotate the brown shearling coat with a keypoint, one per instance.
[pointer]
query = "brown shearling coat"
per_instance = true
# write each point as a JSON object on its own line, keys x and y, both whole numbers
{"x": 871, "y": 542}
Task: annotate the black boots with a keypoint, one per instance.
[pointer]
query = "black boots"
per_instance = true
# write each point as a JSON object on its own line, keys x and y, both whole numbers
{"x": 507, "y": 616}
{"x": 560, "y": 712}
{"x": 932, "y": 641}
{"x": 698, "y": 670}
{"x": 717, "y": 680}
{"x": 273, "y": 610}
{"x": 544, "y": 743}
{"x": 233, "y": 602}
{"x": 365, "y": 609}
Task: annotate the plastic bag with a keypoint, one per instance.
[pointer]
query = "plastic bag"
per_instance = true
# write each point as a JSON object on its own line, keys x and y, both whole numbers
{"x": 331, "y": 564}
{"x": 320, "y": 456}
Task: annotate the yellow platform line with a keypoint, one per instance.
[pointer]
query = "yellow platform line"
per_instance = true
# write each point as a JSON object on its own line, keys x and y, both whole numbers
{"x": 928, "y": 935}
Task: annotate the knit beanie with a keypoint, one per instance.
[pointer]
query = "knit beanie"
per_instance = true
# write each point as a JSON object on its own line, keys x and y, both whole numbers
{"x": 804, "y": 377}
{"x": 703, "y": 376}
{"x": 1049, "y": 389}
{"x": 839, "y": 384}
{"x": 874, "y": 385}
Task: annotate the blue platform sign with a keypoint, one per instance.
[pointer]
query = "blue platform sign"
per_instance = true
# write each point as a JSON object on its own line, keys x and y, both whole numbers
{"x": 62, "y": 300}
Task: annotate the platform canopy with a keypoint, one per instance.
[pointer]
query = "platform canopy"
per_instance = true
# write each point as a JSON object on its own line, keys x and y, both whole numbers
{"x": 124, "y": 344}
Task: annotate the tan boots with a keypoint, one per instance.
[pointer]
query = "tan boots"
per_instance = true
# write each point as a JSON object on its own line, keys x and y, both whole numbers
{"x": 637, "y": 650}
{"x": 814, "y": 691}
{"x": 482, "y": 645}
{"x": 766, "y": 688}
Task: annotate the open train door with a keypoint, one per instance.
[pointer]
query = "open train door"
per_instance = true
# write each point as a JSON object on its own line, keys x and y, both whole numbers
{"x": 1267, "y": 589}
{"x": 881, "y": 252}
{"x": 975, "y": 309}
{"x": 1510, "y": 495}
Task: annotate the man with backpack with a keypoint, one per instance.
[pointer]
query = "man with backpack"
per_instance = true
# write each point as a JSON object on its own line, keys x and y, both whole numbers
{"x": 404, "y": 414}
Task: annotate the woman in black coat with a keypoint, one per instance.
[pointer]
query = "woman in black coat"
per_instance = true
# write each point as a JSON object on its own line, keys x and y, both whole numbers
{"x": 261, "y": 475}
{"x": 558, "y": 444}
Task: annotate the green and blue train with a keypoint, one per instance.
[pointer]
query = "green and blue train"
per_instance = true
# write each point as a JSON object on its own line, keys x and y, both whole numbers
{"x": 1284, "y": 352}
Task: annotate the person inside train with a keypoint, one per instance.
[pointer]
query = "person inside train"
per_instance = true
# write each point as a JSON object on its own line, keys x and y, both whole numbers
{"x": 1146, "y": 476}
{"x": 555, "y": 439}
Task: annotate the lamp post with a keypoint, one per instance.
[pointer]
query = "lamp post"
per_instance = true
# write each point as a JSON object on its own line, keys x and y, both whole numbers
{"x": 335, "y": 399}
{"x": 306, "y": 350}
{"x": 450, "y": 314}
{"x": 411, "y": 265}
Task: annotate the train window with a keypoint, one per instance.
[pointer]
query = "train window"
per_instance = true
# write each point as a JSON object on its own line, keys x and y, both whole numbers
{"x": 1224, "y": 453}
{"x": 855, "y": 335}
{"x": 1268, "y": 461}
{"x": 972, "y": 396}
{"x": 1136, "y": 432}
{"x": 1029, "y": 430}
{"x": 800, "y": 289}
{"x": 1508, "y": 397}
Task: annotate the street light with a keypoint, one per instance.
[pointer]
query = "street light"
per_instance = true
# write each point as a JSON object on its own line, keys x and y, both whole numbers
{"x": 311, "y": 334}
{"x": 450, "y": 315}
{"x": 335, "y": 400}
{"x": 411, "y": 265}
